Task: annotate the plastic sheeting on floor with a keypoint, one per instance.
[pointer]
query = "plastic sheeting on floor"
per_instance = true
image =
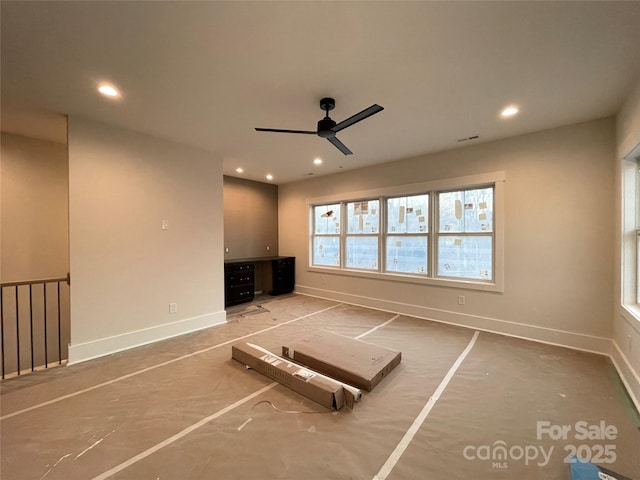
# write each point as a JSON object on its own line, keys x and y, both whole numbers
{"x": 183, "y": 409}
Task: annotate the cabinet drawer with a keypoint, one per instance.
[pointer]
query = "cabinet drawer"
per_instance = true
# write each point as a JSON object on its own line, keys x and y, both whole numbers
{"x": 286, "y": 263}
{"x": 243, "y": 278}
{"x": 239, "y": 267}
{"x": 239, "y": 294}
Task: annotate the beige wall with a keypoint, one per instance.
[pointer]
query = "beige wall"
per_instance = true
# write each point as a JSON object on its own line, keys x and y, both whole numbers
{"x": 626, "y": 328}
{"x": 250, "y": 218}
{"x": 559, "y": 195}
{"x": 34, "y": 203}
{"x": 125, "y": 268}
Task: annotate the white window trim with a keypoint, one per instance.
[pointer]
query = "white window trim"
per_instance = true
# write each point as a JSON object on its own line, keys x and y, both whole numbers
{"x": 630, "y": 233}
{"x": 496, "y": 178}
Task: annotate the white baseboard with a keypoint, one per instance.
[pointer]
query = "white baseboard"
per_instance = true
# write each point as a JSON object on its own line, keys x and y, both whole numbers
{"x": 104, "y": 346}
{"x": 577, "y": 341}
{"x": 628, "y": 375}
{"x": 551, "y": 336}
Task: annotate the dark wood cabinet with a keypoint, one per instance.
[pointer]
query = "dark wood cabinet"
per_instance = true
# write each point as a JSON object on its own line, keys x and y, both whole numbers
{"x": 284, "y": 275}
{"x": 240, "y": 278}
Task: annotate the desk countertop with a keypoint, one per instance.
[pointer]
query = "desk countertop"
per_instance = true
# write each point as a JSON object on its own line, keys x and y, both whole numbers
{"x": 255, "y": 259}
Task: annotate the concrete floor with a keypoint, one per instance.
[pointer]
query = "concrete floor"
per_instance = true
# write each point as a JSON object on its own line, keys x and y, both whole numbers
{"x": 461, "y": 405}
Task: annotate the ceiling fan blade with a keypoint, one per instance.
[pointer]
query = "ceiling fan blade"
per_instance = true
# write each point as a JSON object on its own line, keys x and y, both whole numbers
{"x": 340, "y": 146}
{"x": 285, "y": 131}
{"x": 367, "y": 112}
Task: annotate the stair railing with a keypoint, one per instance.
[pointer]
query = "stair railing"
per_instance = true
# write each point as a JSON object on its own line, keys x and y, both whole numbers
{"x": 14, "y": 298}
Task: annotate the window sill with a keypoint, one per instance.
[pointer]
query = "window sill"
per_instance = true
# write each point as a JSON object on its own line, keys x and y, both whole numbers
{"x": 397, "y": 277}
{"x": 631, "y": 313}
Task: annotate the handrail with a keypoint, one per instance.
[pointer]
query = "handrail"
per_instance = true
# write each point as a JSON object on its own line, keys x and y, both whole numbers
{"x": 35, "y": 282}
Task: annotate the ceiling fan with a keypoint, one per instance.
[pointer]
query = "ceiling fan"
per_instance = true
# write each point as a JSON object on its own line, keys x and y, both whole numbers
{"x": 327, "y": 128}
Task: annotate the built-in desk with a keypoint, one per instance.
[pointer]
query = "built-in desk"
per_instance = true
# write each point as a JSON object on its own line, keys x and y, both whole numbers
{"x": 275, "y": 275}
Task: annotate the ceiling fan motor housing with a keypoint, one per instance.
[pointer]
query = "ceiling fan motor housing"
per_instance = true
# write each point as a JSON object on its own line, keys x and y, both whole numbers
{"x": 324, "y": 128}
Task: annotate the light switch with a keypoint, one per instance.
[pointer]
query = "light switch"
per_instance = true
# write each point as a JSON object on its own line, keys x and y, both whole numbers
{"x": 165, "y": 224}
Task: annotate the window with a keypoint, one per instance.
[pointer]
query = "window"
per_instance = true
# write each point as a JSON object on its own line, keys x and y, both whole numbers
{"x": 636, "y": 272}
{"x": 326, "y": 235}
{"x": 631, "y": 232}
{"x": 362, "y": 238}
{"x": 407, "y": 240}
{"x": 635, "y": 204}
{"x": 445, "y": 232}
{"x": 465, "y": 234}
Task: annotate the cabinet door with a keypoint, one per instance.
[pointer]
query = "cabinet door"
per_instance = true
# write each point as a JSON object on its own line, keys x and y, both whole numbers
{"x": 284, "y": 272}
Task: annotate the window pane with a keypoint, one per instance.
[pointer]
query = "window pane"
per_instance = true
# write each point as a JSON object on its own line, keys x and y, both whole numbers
{"x": 636, "y": 203}
{"x": 637, "y": 266}
{"x": 326, "y": 251}
{"x": 467, "y": 211}
{"x": 465, "y": 257}
{"x": 326, "y": 219}
{"x": 362, "y": 252}
{"x": 406, "y": 254}
{"x": 363, "y": 217}
{"x": 408, "y": 214}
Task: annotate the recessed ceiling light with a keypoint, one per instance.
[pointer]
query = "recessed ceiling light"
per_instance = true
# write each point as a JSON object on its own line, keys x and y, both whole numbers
{"x": 318, "y": 161}
{"x": 269, "y": 176}
{"x": 239, "y": 170}
{"x": 509, "y": 111}
{"x": 108, "y": 90}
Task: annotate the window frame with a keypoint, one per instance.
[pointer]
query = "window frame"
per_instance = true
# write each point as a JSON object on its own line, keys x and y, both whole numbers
{"x": 313, "y": 235}
{"x": 438, "y": 234}
{"x": 630, "y": 245}
{"x": 346, "y": 234}
{"x": 385, "y": 234}
{"x": 495, "y": 179}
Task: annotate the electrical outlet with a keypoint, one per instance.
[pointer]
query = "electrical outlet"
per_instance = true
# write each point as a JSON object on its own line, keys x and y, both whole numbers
{"x": 173, "y": 308}
{"x": 226, "y": 249}
{"x": 461, "y": 299}
{"x": 165, "y": 224}
{"x": 629, "y": 342}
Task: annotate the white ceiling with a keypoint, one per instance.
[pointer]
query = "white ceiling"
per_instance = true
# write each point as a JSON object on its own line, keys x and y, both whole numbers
{"x": 206, "y": 73}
